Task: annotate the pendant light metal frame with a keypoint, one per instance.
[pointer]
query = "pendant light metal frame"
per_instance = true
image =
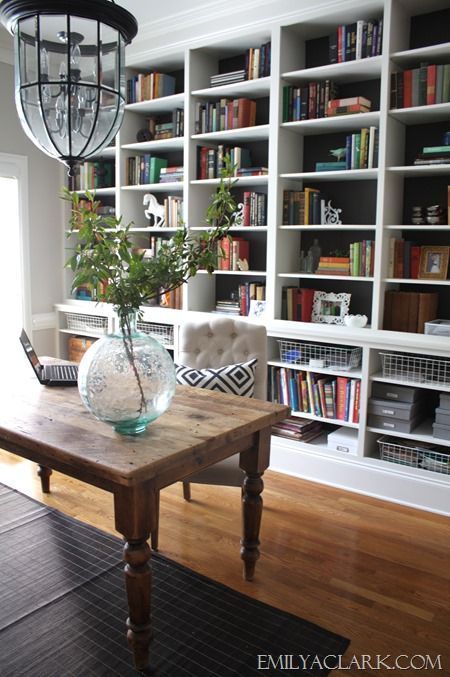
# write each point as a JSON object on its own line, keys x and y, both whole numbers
{"x": 117, "y": 18}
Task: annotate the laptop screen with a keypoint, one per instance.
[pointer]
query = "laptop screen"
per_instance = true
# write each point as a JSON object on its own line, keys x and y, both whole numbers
{"x": 29, "y": 351}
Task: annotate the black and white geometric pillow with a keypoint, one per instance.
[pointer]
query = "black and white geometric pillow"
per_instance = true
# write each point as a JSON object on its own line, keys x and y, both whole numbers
{"x": 236, "y": 379}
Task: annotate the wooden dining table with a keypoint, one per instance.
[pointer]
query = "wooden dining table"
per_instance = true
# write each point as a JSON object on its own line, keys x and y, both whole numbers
{"x": 51, "y": 427}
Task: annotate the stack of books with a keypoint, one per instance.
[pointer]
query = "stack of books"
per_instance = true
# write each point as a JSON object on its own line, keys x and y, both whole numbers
{"x": 169, "y": 174}
{"x": 433, "y": 155}
{"x": 227, "y": 307}
{"x": 352, "y": 104}
{"x": 333, "y": 265}
{"x": 299, "y": 429}
{"x": 227, "y": 78}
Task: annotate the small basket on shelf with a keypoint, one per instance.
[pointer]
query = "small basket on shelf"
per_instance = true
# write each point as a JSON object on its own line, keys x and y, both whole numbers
{"x": 91, "y": 324}
{"x": 415, "y": 368}
{"x": 415, "y": 454}
{"x": 323, "y": 356}
{"x": 161, "y": 332}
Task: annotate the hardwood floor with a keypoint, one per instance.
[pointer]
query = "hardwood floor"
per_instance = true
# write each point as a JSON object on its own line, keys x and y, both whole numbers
{"x": 373, "y": 571}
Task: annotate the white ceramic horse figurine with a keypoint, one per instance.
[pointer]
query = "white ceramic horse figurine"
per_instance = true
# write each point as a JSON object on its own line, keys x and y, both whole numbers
{"x": 154, "y": 210}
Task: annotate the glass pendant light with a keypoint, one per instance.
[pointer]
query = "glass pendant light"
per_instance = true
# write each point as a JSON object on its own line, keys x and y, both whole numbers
{"x": 69, "y": 72}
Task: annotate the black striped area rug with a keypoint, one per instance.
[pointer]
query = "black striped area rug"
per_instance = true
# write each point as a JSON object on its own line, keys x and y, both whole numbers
{"x": 63, "y": 609}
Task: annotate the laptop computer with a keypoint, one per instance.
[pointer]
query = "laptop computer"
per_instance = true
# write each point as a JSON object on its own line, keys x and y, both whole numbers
{"x": 49, "y": 374}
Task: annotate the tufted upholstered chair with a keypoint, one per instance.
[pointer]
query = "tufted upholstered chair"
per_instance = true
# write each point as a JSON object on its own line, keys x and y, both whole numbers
{"x": 215, "y": 343}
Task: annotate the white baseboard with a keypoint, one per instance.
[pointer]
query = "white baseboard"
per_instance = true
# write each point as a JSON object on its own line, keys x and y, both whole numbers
{"x": 363, "y": 476}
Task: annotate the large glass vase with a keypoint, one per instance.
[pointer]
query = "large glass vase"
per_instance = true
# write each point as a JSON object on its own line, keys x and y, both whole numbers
{"x": 127, "y": 379}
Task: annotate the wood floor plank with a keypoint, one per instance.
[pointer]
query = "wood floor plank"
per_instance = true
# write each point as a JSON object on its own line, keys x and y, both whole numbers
{"x": 376, "y": 572}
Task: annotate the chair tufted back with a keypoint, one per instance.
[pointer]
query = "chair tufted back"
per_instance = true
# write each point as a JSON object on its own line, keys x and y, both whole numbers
{"x": 222, "y": 341}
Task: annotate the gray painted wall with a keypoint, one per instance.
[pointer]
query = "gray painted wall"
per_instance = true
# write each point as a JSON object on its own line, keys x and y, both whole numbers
{"x": 45, "y": 178}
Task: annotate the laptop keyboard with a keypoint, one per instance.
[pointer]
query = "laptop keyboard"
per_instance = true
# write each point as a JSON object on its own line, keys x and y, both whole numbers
{"x": 64, "y": 372}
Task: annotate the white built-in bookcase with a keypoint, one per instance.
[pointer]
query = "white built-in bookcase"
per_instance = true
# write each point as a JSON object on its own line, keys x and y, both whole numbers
{"x": 375, "y": 202}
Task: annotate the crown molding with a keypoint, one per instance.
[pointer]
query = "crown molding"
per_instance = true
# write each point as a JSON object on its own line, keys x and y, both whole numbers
{"x": 200, "y": 23}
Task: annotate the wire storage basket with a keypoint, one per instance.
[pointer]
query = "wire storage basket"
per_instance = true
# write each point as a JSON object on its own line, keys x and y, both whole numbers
{"x": 415, "y": 455}
{"x": 161, "y": 332}
{"x": 415, "y": 368}
{"x": 317, "y": 355}
{"x": 92, "y": 324}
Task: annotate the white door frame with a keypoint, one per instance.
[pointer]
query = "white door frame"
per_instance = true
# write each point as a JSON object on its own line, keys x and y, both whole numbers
{"x": 16, "y": 166}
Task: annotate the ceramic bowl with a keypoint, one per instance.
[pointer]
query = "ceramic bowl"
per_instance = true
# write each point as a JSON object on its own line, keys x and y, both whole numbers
{"x": 355, "y": 320}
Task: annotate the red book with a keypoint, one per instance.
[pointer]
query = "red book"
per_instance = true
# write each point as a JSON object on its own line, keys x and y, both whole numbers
{"x": 407, "y": 89}
{"x": 246, "y": 113}
{"x": 415, "y": 261}
{"x": 225, "y": 260}
{"x": 355, "y": 417}
{"x": 341, "y": 397}
{"x": 431, "y": 84}
{"x": 307, "y": 296}
{"x": 246, "y": 211}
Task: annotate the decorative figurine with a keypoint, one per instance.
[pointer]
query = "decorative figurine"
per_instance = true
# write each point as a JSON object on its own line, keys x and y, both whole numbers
{"x": 154, "y": 210}
{"x": 338, "y": 153}
{"x": 331, "y": 215}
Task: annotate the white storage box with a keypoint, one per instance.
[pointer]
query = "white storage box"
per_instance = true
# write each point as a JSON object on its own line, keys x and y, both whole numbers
{"x": 438, "y": 327}
{"x": 343, "y": 439}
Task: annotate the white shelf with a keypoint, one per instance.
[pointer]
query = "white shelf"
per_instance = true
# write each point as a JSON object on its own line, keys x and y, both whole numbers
{"x": 348, "y": 71}
{"x": 338, "y": 123}
{"x": 258, "y": 88}
{"x": 425, "y": 226}
{"x": 98, "y": 191}
{"x": 314, "y": 276}
{"x": 176, "y": 143}
{"x": 236, "y": 229}
{"x": 441, "y": 387}
{"x": 331, "y": 421}
{"x": 402, "y": 280}
{"x": 422, "y": 433}
{"x": 240, "y": 180}
{"x": 410, "y": 58}
{"x": 161, "y": 105}
{"x": 344, "y": 175}
{"x": 247, "y": 273}
{"x": 350, "y": 373}
{"x": 421, "y": 170}
{"x": 255, "y": 133}
{"x": 156, "y": 187}
{"x": 438, "y": 112}
{"x": 327, "y": 227}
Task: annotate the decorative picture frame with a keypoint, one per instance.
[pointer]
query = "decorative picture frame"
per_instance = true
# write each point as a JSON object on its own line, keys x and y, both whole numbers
{"x": 330, "y": 308}
{"x": 433, "y": 262}
{"x": 257, "y": 310}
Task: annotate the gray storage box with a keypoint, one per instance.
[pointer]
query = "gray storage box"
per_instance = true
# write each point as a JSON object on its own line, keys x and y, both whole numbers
{"x": 438, "y": 327}
{"x": 393, "y": 424}
{"x": 444, "y": 401}
{"x": 441, "y": 431}
{"x": 442, "y": 416}
{"x": 394, "y": 392}
{"x": 404, "y": 411}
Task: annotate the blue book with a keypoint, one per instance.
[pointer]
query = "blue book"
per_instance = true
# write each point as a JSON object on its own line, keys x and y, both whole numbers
{"x": 330, "y": 166}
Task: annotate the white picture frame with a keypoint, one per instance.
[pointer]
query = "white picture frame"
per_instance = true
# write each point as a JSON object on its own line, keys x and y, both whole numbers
{"x": 330, "y": 308}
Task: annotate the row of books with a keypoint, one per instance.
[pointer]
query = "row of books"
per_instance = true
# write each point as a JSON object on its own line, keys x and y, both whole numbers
{"x": 361, "y": 152}
{"x": 144, "y": 169}
{"x": 358, "y": 264}
{"x": 257, "y": 61}
{"x": 210, "y": 160}
{"x": 304, "y": 207}
{"x": 147, "y": 86}
{"x": 406, "y": 258}
{"x": 408, "y": 311}
{"x": 298, "y": 429}
{"x": 296, "y": 303}
{"x": 232, "y": 251}
{"x": 332, "y": 397}
{"x": 217, "y": 116}
{"x": 173, "y": 211}
{"x": 433, "y": 155}
{"x": 163, "y": 128}
{"x": 171, "y": 299}
{"x": 240, "y": 302}
{"x": 423, "y": 86}
{"x": 358, "y": 40}
{"x": 308, "y": 101}
{"x": 93, "y": 174}
{"x": 254, "y": 211}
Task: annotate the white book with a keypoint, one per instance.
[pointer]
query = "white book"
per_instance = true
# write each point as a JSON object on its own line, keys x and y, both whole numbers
{"x": 370, "y": 155}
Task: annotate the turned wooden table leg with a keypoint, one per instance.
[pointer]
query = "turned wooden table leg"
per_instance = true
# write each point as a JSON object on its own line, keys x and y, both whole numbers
{"x": 44, "y": 473}
{"x": 254, "y": 462}
{"x": 135, "y": 515}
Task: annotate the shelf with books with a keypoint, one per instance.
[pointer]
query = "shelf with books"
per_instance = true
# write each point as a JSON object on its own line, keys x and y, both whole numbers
{"x": 155, "y": 187}
{"x": 314, "y": 276}
{"x": 342, "y": 123}
{"x": 240, "y": 181}
{"x": 253, "y": 88}
{"x": 344, "y": 175}
{"x": 164, "y": 104}
{"x": 255, "y": 133}
{"x": 347, "y": 71}
{"x": 176, "y": 143}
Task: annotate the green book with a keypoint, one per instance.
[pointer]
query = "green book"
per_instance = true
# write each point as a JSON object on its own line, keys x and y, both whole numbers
{"x": 156, "y": 164}
{"x": 436, "y": 149}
